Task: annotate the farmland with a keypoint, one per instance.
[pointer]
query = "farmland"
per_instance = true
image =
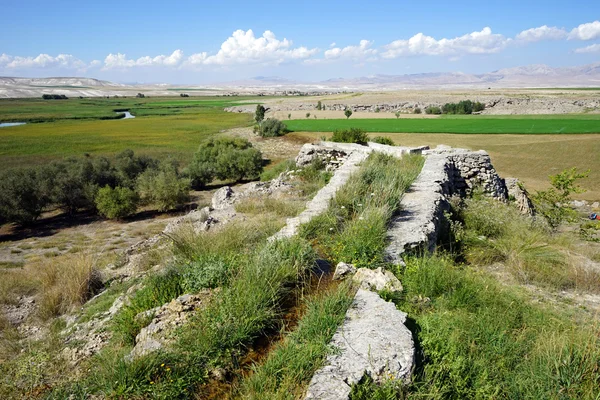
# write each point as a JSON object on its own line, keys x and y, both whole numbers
{"x": 505, "y": 124}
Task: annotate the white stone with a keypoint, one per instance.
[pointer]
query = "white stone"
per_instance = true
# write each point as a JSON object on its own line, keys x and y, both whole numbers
{"x": 377, "y": 279}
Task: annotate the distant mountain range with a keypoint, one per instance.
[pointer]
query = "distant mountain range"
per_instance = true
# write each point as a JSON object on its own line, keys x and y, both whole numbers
{"x": 533, "y": 76}
{"x": 538, "y": 75}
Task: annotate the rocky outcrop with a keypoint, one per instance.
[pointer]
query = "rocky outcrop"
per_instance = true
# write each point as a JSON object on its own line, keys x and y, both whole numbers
{"x": 165, "y": 320}
{"x": 372, "y": 340}
{"x": 377, "y": 279}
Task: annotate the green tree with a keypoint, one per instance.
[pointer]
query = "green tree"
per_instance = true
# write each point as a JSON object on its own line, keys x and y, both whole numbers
{"x": 289, "y": 116}
{"x": 397, "y": 114}
{"x": 417, "y": 110}
{"x": 259, "y": 114}
{"x": 118, "y": 203}
{"x": 352, "y": 135}
{"x": 272, "y": 127}
{"x": 307, "y": 115}
{"x": 319, "y": 106}
{"x": 164, "y": 187}
{"x": 348, "y": 112}
{"x": 23, "y": 195}
{"x": 226, "y": 159}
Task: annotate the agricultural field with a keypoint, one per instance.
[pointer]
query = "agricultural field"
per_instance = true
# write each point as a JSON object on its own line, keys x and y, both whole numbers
{"x": 60, "y": 128}
{"x": 467, "y": 124}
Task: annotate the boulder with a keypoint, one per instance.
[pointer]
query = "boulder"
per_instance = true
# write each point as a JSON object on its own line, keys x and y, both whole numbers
{"x": 222, "y": 198}
{"x": 342, "y": 270}
{"x": 377, "y": 279}
{"x": 517, "y": 191}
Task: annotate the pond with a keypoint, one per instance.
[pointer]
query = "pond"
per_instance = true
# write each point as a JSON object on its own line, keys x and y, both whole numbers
{"x": 127, "y": 114}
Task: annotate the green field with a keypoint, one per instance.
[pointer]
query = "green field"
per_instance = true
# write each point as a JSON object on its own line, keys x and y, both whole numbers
{"x": 163, "y": 126}
{"x": 534, "y": 124}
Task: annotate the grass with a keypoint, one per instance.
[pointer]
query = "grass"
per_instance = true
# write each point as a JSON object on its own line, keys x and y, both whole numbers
{"x": 354, "y": 228}
{"x": 480, "y": 340}
{"x": 496, "y": 233}
{"x": 161, "y": 127}
{"x": 291, "y": 364}
{"x": 540, "y": 124}
{"x": 279, "y": 207}
{"x": 531, "y": 158}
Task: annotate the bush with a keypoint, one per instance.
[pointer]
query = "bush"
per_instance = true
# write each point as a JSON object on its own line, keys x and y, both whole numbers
{"x": 225, "y": 159}
{"x": 259, "y": 114}
{"x": 128, "y": 167}
{"x": 417, "y": 111}
{"x": 119, "y": 202}
{"x": 352, "y": 135}
{"x": 433, "y": 110}
{"x": 383, "y": 140}
{"x": 54, "y": 97}
{"x": 463, "y": 107}
{"x": 163, "y": 187}
{"x": 348, "y": 113}
{"x": 23, "y": 195}
{"x": 272, "y": 127}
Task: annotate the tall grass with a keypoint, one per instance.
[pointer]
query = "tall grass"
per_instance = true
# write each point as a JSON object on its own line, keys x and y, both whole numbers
{"x": 291, "y": 364}
{"x": 354, "y": 229}
{"x": 480, "y": 340}
{"x": 497, "y": 233}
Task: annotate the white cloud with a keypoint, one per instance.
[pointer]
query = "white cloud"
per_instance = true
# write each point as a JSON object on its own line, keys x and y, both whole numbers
{"x": 484, "y": 42}
{"x": 244, "y": 48}
{"x": 587, "y": 31}
{"x": 121, "y": 61}
{"x": 42, "y": 61}
{"x": 543, "y": 32}
{"x": 363, "y": 50}
{"x": 594, "y": 48}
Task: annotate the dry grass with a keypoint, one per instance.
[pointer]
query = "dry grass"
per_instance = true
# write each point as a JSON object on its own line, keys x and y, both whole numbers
{"x": 66, "y": 284}
{"x": 280, "y": 207}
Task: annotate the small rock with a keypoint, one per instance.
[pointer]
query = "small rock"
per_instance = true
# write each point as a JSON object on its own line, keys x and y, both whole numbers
{"x": 342, "y": 270}
{"x": 222, "y": 198}
{"x": 377, "y": 279}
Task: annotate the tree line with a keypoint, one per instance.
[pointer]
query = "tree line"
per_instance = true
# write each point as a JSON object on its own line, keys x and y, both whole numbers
{"x": 117, "y": 188}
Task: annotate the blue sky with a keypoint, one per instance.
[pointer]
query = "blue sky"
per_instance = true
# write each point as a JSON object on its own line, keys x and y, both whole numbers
{"x": 203, "y": 42}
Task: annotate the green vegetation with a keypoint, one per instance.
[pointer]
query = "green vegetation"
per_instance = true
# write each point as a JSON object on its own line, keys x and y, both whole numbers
{"x": 354, "y": 229}
{"x": 462, "y": 107}
{"x": 383, "y": 140}
{"x": 456, "y": 124}
{"x": 259, "y": 114}
{"x": 225, "y": 159}
{"x": 433, "y": 110}
{"x": 481, "y": 340}
{"x": 272, "y": 127}
{"x": 352, "y": 135}
{"x": 552, "y": 203}
{"x": 76, "y": 126}
{"x": 348, "y": 113}
{"x": 54, "y": 97}
{"x": 118, "y": 202}
{"x": 291, "y": 364}
{"x": 164, "y": 187}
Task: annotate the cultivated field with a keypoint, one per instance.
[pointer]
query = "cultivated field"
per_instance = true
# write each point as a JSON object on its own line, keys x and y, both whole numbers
{"x": 581, "y": 123}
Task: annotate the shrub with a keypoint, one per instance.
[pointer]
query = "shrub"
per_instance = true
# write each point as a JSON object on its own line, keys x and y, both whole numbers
{"x": 319, "y": 105}
{"x": 383, "y": 140}
{"x": 272, "y": 127}
{"x": 163, "y": 187}
{"x": 348, "y": 113}
{"x": 54, "y": 97}
{"x": 207, "y": 271}
{"x": 397, "y": 114}
{"x": 226, "y": 159}
{"x": 417, "y": 111}
{"x": 307, "y": 115}
{"x": 352, "y": 135}
{"x": 116, "y": 203}
{"x": 433, "y": 110}
{"x": 552, "y": 203}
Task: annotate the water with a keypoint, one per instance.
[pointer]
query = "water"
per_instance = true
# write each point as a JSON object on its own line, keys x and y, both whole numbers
{"x": 7, "y": 124}
{"x": 127, "y": 114}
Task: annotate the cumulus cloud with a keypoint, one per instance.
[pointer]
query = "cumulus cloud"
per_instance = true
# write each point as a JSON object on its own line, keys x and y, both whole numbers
{"x": 589, "y": 31}
{"x": 363, "y": 50}
{"x": 594, "y": 48}
{"x": 42, "y": 61}
{"x": 113, "y": 61}
{"x": 540, "y": 33}
{"x": 244, "y": 48}
{"x": 483, "y": 42}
